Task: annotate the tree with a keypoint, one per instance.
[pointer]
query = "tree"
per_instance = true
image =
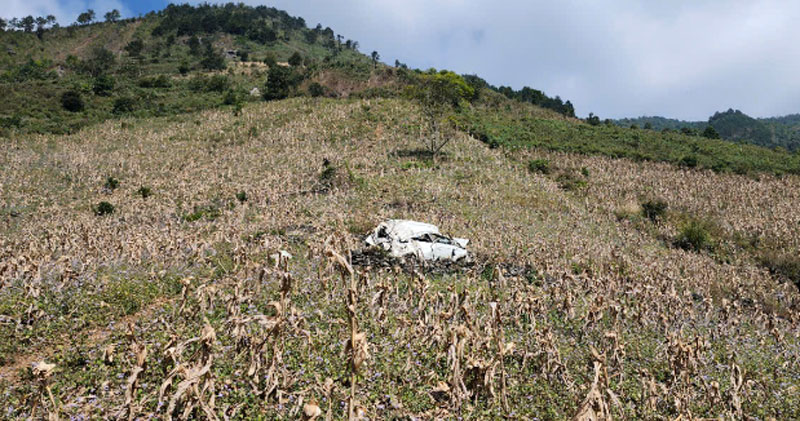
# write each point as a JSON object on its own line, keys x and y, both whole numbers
{"x": 41, "y": 26}
{"x": 710, "y": 133}
{"x": 270, "y": 60}
{"x": 3, "y": 25}
{"x": 72, "y": 101}
{"x": 648, "y": 126}
{"x": 316, "y": 90}
{"x": 375, "y": 57}
{"x": 27, "y": 23}
{"x": 135, "y": 47}
{"x": 281, "y": 82}
{"x": 194, "y": 45}
{"x": 439, "y": 95}
{"x": 212, "y": 59}
{"x": 296, "y": 59}
{"x": 99, "y": 61}
{"x": 86, "y": 17}
{"x": 112, "y": 16}
{"x": 103, "y": 85}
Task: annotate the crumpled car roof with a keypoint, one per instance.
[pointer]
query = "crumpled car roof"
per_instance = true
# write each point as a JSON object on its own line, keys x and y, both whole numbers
{"x": 406, "y": 230}
{"x": 403, "y": 237}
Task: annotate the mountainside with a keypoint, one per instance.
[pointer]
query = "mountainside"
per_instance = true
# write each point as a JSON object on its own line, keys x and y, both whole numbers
{"x": 179, "y": 247}
{"x": 732, "y": 125}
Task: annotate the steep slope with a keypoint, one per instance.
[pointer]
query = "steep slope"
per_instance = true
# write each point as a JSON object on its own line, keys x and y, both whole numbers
{"x": 571, "y": 282}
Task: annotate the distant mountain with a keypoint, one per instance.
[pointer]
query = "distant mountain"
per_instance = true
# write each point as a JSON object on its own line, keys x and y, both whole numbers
{"x": 732, "y": 125}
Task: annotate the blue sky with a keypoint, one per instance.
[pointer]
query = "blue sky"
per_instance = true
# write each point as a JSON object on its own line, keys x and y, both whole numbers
{"x": 617, "y": 58}
{"x": 143, "y": 6}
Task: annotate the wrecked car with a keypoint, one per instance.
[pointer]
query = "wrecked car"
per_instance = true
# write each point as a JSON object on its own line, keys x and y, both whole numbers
{"x": 401, "y": 238}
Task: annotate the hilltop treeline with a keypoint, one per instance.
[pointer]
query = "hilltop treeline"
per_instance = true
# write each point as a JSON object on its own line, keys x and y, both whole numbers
{"x": 733, "y": 125}
{"x": 526, "y": 94}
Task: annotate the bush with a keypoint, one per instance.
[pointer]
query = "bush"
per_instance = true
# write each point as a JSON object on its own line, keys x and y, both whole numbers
{"x": 296, "y": 59}
{"x": 144, "y": 192}
{"x": 123, "y": 104}
{"x": 161, "y": 81}
{"x": 541, "y": 166}
{"x": 111, "y": 183}
{"x": 710, "y": 133}
{"x": 316, "y": 90}
{"x": 103, "y": 85}
{"x": 689, "y": 161}
{"x": 695, "y": 236}
{"x": 184, "y": 68}
{"x": 571, "y": 182}
{"x": 654, "y": 209}
{"x": 231, "y": 98}
{"x": 281, "y": 82}
{"x": 217, "y": 83}
{"x": 72, "y": 101}
{"x": 212, "y": 59}
{"x": 241, "y": 196}
{"x": 103, "y": 208}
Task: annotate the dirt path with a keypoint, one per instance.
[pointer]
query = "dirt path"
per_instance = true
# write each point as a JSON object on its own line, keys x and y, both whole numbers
{"x": 95, "y": 336}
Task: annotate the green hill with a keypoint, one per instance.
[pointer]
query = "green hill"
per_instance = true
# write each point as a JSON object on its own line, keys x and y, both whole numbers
{"x": 733, "y": 125}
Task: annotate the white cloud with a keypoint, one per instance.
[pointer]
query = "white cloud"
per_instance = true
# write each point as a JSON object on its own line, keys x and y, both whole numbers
{"x": 682, "y": 58}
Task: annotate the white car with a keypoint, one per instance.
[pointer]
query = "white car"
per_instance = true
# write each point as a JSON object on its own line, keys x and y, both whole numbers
{"x": 402, "y": 238}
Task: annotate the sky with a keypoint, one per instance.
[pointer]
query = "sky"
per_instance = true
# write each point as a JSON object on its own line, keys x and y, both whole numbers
{"x": 616, "y": 58}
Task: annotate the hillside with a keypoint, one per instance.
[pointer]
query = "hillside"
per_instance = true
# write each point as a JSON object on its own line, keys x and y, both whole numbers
{"x": 733, "y": 125}
{"x": 583, "y": 276}
{"x": 198, "y": 253}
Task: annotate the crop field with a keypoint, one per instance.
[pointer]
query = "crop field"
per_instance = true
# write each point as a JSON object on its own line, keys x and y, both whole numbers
{"x": 199, "y": 267}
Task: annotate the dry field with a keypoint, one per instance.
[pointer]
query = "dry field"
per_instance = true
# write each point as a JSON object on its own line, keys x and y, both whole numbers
{"x": 180, "y": 304}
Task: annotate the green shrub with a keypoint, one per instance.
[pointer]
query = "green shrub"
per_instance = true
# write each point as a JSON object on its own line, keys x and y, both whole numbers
{"x": 123, "y": 104}
{"x": 103, "y": 85}
{"x": 111, "y": 183}
{"x": 296, "y": 59}
{"x": 217, "y": 83}
{"x": 72, "y": 101}
{"x": 104, "y": 208}
{"x": 144, "y": 192}
{"x": 541, "y": 166}
{"x": 695, "y": 235}
{"x": 316, "y": 90}
{"x": 161, "y": 81}
{"x": 241, "y": 196}
{"x": 184, "y": 68}
{"x": 571, "y": 182}
{"x": 281, "y": 82}
{"x": 210, "y": 212}
{"x": 231, "y": 98}
{"x": 654, "y": 209}
{"x": 689, "y": 161}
